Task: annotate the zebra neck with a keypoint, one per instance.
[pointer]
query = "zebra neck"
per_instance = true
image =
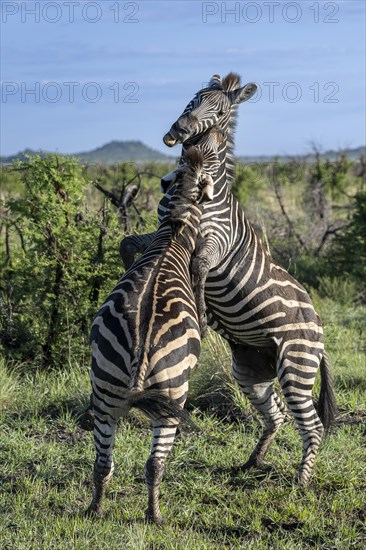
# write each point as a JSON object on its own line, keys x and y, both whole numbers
{"x": 222, "y": 182}
{"x": 184, "y": 228}
{"x": 226, "y": 150}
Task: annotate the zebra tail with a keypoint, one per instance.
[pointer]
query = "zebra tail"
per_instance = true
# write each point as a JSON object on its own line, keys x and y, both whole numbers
{"x": 156, "y": 404}
{"x": 327, "y": 404}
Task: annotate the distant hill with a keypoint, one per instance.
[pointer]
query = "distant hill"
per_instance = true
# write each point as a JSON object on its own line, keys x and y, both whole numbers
{"x": 119, "y": 151}
{"x": 353, "y": 154}
{"x": 110, "y": 153}
{"x": 20, "y": 156}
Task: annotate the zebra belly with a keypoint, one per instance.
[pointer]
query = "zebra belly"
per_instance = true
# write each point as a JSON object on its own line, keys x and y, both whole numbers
{"x": 260, "y": 338}
{"x": 263, "y": 319}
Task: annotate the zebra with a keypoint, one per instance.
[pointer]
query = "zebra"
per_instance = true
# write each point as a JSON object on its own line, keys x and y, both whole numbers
{"x": 134, "y": 244}
{"x": 265, "y": 314}
{"x": 145, "y": 338}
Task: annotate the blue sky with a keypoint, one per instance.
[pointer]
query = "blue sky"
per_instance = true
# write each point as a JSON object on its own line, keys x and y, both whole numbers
{"x": 125, "y": 70}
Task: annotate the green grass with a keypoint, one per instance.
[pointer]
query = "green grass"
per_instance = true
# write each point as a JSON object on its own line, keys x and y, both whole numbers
{"x": 47, "y": 461}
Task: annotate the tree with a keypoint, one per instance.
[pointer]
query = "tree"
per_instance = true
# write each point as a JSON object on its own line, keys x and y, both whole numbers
{"x": 348, "y": 251}
{"x": 61, "y": 260}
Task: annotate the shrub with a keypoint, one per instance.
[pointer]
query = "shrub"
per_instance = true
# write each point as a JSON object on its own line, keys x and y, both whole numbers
{"x": 61, "y": 260}
{"x": 348, "y": 252}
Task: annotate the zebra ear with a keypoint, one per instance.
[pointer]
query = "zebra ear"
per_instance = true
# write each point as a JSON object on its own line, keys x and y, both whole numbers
{"x": 207, "y": 186}
{"x": 243, "y": 94}
{"x": 215, "y": 82}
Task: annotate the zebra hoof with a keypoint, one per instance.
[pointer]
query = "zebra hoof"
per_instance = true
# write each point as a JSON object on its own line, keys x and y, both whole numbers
{"x": 251, "y": 463}
{"x": 301, "y": 479}
{"x": 93, "y": 512}
{"x": 248, "y": 465}
{"x": 155, "y": 518}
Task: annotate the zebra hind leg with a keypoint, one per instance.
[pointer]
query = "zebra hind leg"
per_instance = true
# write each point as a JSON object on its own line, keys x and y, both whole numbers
{"x": 297, "y": 383}
{"x": 266, "y": 401}
{"x": 255, "y": 375}
{"x": 163, "y": 439}
{"x": 104, "y": 430}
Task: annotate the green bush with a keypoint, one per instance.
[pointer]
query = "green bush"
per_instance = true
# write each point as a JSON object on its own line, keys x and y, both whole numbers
{"x": 248, "y": 182}
{"x": 61, "y": 261}
{"x": 348, "y": 252}
{"x": 61, "y": 240}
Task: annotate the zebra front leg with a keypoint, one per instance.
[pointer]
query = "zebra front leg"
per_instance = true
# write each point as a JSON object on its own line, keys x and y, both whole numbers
{"x": 104, "y": 431}
{"x": 206, "y": 255}
{"x": 163, "y": 439}
{"x": 200, "y": 269}
{"x": 132, "y": 245}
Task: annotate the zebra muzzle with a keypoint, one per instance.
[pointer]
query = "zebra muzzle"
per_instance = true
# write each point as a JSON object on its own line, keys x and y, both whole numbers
{"x": 169, "y": 140}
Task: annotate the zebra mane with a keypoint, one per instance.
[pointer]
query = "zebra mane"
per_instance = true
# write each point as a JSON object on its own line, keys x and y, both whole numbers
{"x": 188, "y": 181}
{"x": 188, "y": 189}
{"x": 231, "y": 82}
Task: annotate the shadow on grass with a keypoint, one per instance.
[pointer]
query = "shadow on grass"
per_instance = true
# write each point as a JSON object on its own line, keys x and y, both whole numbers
{"x": 357, "y": 382}
{"x": 273, "y": 526}
{"x": 224, "y": 531}
{"x": 221, "y": 407}
{"x": 347, "y": 418}
{"x": 237, "y": 532}
{"x": 72, "y": 405}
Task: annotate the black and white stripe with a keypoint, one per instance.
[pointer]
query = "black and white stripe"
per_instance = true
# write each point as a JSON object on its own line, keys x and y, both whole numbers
{"x": 145, "y": 338}
{"x": 264, "y": 313}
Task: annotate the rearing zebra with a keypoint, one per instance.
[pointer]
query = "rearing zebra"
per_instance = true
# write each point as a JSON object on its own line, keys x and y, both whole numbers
{"x": 145, "y": 338}
{"x": 264, "y": 313}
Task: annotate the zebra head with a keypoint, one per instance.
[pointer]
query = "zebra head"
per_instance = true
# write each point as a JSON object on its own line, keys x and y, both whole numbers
{"x": 208, "y": 146}
{"x": 194, "y": 183}
{"x": 211, "y": 106}
{"x": 194, "y": 186}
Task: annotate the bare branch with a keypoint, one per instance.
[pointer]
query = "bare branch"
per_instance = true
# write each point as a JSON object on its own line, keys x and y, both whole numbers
{"x": 289, "y": 222}
{"x": 12, "y": 222}
{"x": 329, "y": 231}
{"x": 107, "y": 193}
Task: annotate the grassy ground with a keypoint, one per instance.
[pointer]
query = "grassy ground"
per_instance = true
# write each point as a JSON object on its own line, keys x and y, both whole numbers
{"x": 46, "y": 464}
